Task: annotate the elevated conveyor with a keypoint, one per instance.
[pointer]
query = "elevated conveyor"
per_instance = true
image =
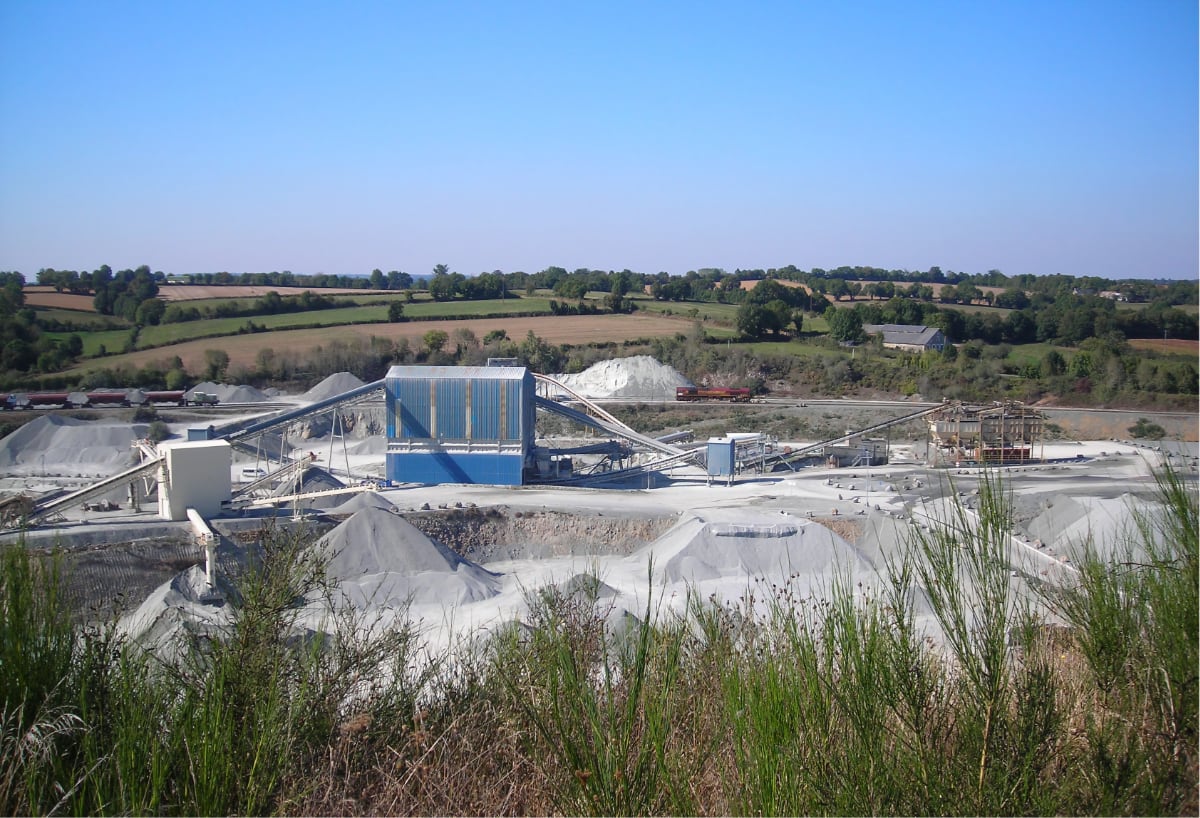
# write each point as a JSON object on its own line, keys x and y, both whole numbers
{"x": 597, "y": 418}
{"x": 43, "y": 510}
{"x": 239, "y": 431}
{"x": 805, "y": 451}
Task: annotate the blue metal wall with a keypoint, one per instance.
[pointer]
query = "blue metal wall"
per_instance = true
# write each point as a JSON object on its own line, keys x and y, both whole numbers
{"x": 440, "y": 417}
{"x": 467, "y": 403}
{"x": 455, "y": 467}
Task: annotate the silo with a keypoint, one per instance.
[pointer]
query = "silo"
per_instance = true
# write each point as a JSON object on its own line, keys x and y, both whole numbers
{"x": 459, "y": 424}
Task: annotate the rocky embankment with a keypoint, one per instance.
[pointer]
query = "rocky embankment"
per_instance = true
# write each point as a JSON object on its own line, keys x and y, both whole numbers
{"x": 493, "y": 534}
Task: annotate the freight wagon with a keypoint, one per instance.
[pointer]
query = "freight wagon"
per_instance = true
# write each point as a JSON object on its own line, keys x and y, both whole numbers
{"x": 732, "y": 394}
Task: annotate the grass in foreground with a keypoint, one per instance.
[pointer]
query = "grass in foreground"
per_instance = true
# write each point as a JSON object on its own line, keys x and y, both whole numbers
{"x": 836, "y": 703}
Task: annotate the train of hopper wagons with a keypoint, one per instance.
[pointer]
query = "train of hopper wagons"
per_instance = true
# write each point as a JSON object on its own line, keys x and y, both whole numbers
{"x": 92, "y": 400}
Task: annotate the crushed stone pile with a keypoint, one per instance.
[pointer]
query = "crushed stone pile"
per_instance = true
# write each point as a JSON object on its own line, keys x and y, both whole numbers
{"x": 366, "y": 499}
{"x": 1076, "y": 524}
{"x": 380, "y": 560}
{"x": 638, "y": 377}
{"x": 332, "y": 386}
{"x": 230, "y": 394}
{"x": 62, "y": 445}
{"x": 376, "y": 444}
{"x": 701, "y": 548}
{"x": 313, "y": 480}
{"x": 182, "y": 605}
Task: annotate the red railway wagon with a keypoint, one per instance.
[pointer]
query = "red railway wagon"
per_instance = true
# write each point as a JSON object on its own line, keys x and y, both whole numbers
{"x": 732, "y": 394}
{"x": 43, "y": 399}
{"x": 107, "y": 399}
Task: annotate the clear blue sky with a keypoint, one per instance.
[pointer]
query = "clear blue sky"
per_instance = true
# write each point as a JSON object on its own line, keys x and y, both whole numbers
{"x": 1031, "y": 137}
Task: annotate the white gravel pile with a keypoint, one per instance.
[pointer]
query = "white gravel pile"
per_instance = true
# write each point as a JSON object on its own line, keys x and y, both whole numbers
{"x": 638, "y": 377}
{"x": 366, "y": 499}
{"x": 1075, "y": 525}
{"x": 177, "y": 609}
{"x": 332, "y": 386}
{"x": 380, "y": 560}
{"x": 721, "y": 545}
{"x": 64, "y": 445}
{"x": 230, "y": 394}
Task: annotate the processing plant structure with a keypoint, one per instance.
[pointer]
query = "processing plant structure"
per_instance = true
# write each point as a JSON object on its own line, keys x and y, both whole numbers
{"x": 478, "y": 425}
{"x": 1005, "y": 432}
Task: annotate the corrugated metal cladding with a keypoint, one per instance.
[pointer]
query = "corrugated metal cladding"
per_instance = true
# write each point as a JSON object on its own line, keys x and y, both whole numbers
{"x": 460, "y": 403}
{"x": 455, "y": 467}
{"x": 459, "y": 424}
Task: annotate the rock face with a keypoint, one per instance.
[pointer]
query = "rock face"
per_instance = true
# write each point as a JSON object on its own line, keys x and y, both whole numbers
{"x": 358, "y": 423}
{"x": 491, "y": 535}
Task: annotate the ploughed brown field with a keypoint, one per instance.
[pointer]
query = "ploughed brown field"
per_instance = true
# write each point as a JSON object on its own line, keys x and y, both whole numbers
{"x": 1173, "y": 346}
{"x": 38, "y": 296}
{"x": 243, "y": 349}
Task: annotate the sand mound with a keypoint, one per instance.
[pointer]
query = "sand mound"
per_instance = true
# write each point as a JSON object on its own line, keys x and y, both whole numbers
{"x": 182, "y": 605}
{"x": 585, "y": 587}
{"x": 381, "y": 560}
{"x": 375, "y": 444}
{"x": 313, "y": 480}
{"x": 638, "y": 377}
{"x": 335, "y": 384}
{"x": 719, "y": 546}
{"x": 1074, "y": 524}
{"x": 59, "y": 444}
{"x": 230, "y": 394}
{"x": 367, "y": 499}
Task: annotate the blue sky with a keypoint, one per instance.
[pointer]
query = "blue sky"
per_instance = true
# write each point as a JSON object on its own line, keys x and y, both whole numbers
{"x": 1031, "y": 137}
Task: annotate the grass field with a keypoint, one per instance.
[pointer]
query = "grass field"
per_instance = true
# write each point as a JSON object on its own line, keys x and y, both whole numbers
{"x": 164, "y": 334}
{"x": 199, "y": 292}
{"x": 1168, "y": 346}
{"x": 243, "y": 349}
{"x": 93, "y": 320}
{"x": 708, "y": 312}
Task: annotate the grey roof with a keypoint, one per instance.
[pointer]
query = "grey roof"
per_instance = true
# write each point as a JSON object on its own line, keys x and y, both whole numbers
{"x": 487, "y": 373}
{"x": 908, "y": 334}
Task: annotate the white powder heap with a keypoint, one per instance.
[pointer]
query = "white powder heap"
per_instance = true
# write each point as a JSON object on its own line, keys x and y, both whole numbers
{"x": 65, "y": 445}
{"x": 229, "y": 394}
{"x": 638, "y": 377}
{"x": 335, "y": 384}
{"x": 379, "y": 559}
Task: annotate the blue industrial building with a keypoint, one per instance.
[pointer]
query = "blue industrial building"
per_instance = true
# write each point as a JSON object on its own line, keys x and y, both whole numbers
{"x": 459, "y": 424}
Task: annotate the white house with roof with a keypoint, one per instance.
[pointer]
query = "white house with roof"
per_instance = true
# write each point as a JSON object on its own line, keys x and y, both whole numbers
{"x": 908, "y": 337}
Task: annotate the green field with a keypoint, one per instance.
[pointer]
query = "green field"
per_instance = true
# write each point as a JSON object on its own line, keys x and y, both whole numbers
{"x": 1191, "y": 309}
{"x": 93, "y": 320}
{"x": 113, "y": 341}
{"x": 166, "y": 334}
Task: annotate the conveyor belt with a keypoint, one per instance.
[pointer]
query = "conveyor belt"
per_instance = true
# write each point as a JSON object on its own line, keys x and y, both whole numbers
{"x": 804, "y": 451}
{"x": 95, "y": 490}
{"x": 598, "y": 418}
{"x": 237, "y": 431}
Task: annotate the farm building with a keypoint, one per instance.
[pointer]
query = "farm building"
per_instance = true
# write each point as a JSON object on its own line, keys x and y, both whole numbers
{"x": 908, "y": 337}
{"x": 459, "y": 424}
